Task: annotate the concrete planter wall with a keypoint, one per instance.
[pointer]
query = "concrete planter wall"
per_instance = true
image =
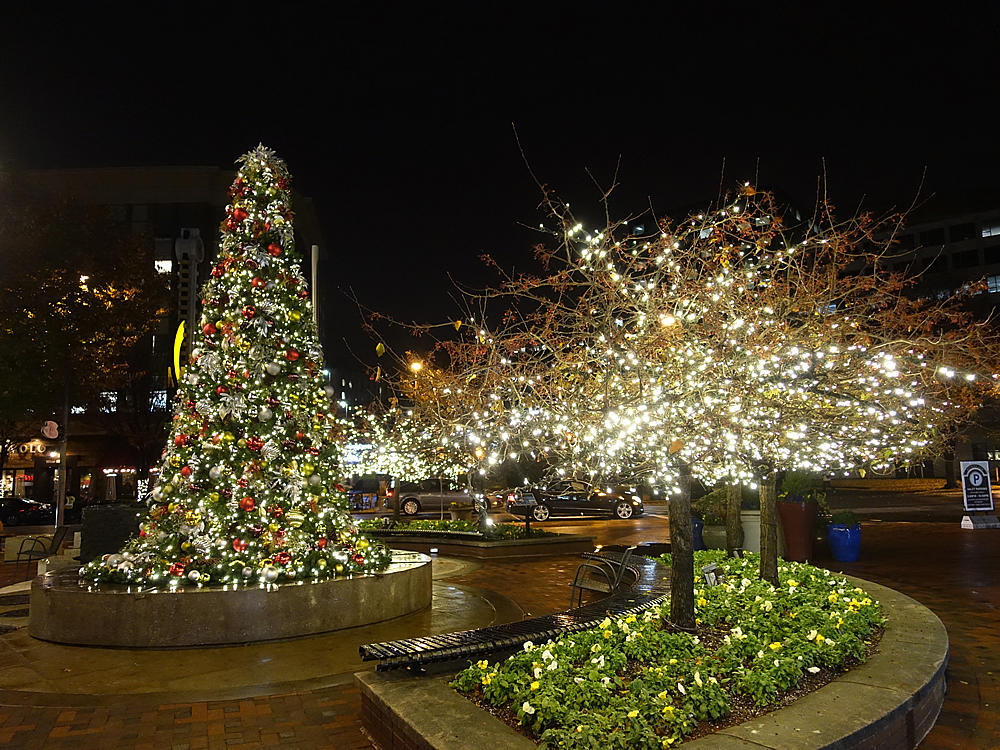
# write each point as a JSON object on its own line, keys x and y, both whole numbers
{"x": 66, "y": 610}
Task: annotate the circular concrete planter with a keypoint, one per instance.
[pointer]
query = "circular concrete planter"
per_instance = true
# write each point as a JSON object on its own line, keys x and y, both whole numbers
{"x": 890, "y": 702}
{"x": 65, "y": 610}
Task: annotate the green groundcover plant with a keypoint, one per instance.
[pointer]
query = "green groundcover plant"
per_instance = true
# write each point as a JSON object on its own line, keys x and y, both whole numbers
{"x": 500, "y": 531}
{"x": 631, "y": 682}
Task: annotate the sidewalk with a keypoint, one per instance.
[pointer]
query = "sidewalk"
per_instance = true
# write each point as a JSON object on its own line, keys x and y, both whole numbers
{"x": 300, "y": 694}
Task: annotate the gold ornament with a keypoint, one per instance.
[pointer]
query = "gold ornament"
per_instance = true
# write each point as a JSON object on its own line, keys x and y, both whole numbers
{"x": 308, "y": 468}
{"x": 362, "y": 544}
{"x": 295, "y": 519}
{"x": 241, "y": 443}
{"x": 294, "y": 315}
{"x": 192, "y": 517}
{"x": 214, "y": 497}
{"x": 175, "y": 460}
{"x": 339, "y": 568}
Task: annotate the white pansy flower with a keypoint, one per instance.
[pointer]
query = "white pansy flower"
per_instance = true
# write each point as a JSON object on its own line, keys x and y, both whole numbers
{"x": 553, "y": 665}
{"x": 681, "y": 688}
{"x": 811, "y": 635}
{"x": 538, "y": 672}
{"x": 814, "y": 670}
{"x": 546, "y": 655}
{"x": 528, "y": 645}
{"x": 527, "y": 708}
{"x": 697, "y": 679}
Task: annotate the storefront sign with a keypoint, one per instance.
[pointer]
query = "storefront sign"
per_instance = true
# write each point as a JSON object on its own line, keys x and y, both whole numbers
{"x": 976, "y": 489}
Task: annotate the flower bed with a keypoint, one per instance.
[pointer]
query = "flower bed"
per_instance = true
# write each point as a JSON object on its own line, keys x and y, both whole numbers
{"x": 499, "y": 531}
{"x": 633, "y": 683}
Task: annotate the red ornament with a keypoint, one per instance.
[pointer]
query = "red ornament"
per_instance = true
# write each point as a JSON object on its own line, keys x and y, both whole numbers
{"x": 321, "y": 542}
{"x": 299, "y": 434}
{"x": 288, "y": 445}
{"x": 255, "y": 443}
{"x": 358, "y": 559}
{"x": 303, "y": 293}
{"x": 249, "y": 311}
{"x": 247, "y": 504}
{"x": 291, "y": 355}
{"x": 217, "y": 271}
{"x": 239, "y": 545}
{"x": 242, "y": 482}
{"x": 314, "y": 450}
{"x": 257, "y": 282}
{"x": 277, "y": 511}
{"x": 274, "y": 250}
{"x": 186, "y": 471}
{"x": 282, "y": 558}
{"x": 177, "y": 569}
{"x": 180, "y": 440}
{"x": 221, "y": 389}
{"x": 339, "y": 488}
{"x": 251, "y": 264}
{"x": 189, "y": 404}
{"x": 209, "y": 329}
{"x": 232, "y": 373}
{"x": 239, "y": 214}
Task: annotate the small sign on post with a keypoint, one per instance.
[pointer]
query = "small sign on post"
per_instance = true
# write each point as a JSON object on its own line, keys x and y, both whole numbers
{"x": 976, "y": 489}
{"x": 977, "y": 493}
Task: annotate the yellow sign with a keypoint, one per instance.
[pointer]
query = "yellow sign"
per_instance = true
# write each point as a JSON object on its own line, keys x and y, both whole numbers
{"x": 178, "y": 342}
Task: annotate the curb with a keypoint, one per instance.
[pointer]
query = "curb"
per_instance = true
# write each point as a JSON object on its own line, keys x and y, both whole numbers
{"x": 890, "y": 702}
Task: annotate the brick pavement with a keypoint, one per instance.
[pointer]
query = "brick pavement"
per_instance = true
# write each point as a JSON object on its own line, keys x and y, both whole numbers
{"x": 954, "y": 572}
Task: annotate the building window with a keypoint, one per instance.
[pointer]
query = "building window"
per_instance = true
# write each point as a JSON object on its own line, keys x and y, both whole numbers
{"x": 932, "y": 265}
{"x": 163, "y": 266}
{"x": 965, "y": 259}
{"x": 959, "y": 232}
{"x": 157, "y": 400}
{"x": 991, "y": 228}
{"x": 109, "y": 399}
{"x": 993, "y": 284}
{"x": 905, "y": 242}
{"x": 932, "y": 236}
{"x": 991, "y": 254}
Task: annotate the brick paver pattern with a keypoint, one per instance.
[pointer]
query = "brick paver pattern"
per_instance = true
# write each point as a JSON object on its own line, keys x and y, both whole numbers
{"x": 954, "y": 572}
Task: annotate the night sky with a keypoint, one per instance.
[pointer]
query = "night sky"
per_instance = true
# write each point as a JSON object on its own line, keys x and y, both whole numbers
{"x": 401, "y": 124}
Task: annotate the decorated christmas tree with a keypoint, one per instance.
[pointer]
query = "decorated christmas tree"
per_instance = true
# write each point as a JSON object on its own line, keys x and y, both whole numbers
{"x": 246, "y": 491}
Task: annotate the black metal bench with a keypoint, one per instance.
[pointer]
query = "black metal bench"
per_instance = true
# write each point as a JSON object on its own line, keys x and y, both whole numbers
{"x": 651, "y": 587}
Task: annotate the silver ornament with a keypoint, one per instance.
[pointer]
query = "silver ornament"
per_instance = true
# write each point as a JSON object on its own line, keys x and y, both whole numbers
{"x": 269, "y": 574}
{"x": 193, "y": 576}
{"x": 215, "y": 472}
{"x": 315, "y": 479}
{"x": 265, "y": 414}
{"x": 272, "y": 368}
{"x": 247, "y": 572}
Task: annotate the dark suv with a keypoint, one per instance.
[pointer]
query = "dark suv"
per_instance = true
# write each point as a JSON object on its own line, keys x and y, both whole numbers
{"x": 569, "y": 497}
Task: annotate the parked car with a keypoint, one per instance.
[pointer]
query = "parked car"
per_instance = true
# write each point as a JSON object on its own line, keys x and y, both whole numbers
{"x": 434, "y": 494}
{"x": 569, "y": 497}
{"x": 18, "y": 511}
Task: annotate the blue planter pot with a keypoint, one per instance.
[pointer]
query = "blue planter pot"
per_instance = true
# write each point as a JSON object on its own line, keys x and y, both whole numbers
{"x": 845, "y": 541}
{"x": 696, "y": 528}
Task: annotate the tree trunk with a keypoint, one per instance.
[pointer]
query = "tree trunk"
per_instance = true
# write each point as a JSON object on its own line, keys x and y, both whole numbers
{"x": 768, "y": 527}
{"x": 682, "y": 554}
{"x": 734, "y": 524}
{"x": 949, "y": 466}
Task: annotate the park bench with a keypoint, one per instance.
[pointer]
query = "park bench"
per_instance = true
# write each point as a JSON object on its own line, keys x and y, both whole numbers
{"x": 600, "y": 572}
{"x": 34, "y": 548}
{"x": 651, "y": 587}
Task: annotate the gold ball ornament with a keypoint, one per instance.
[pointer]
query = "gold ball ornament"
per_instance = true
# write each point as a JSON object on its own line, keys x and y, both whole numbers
{"x": 362, "y": 544}
{"x": 242, "y": 443}
{"x": 294, "y": 315}
{"x": 308, "y": 468}
{"x": 192, "y": 517}
{"x": 273, "y": 527}
{"x": 214, "y": 497}
{"x": 175, "y": 460}
{"x": 321, "y": 563}
{"x": 295, "y": 519}
{"x": 339, "y": 568}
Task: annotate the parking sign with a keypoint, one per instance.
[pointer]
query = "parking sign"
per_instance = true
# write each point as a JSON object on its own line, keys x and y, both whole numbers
{"x": 976, "y": 489}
